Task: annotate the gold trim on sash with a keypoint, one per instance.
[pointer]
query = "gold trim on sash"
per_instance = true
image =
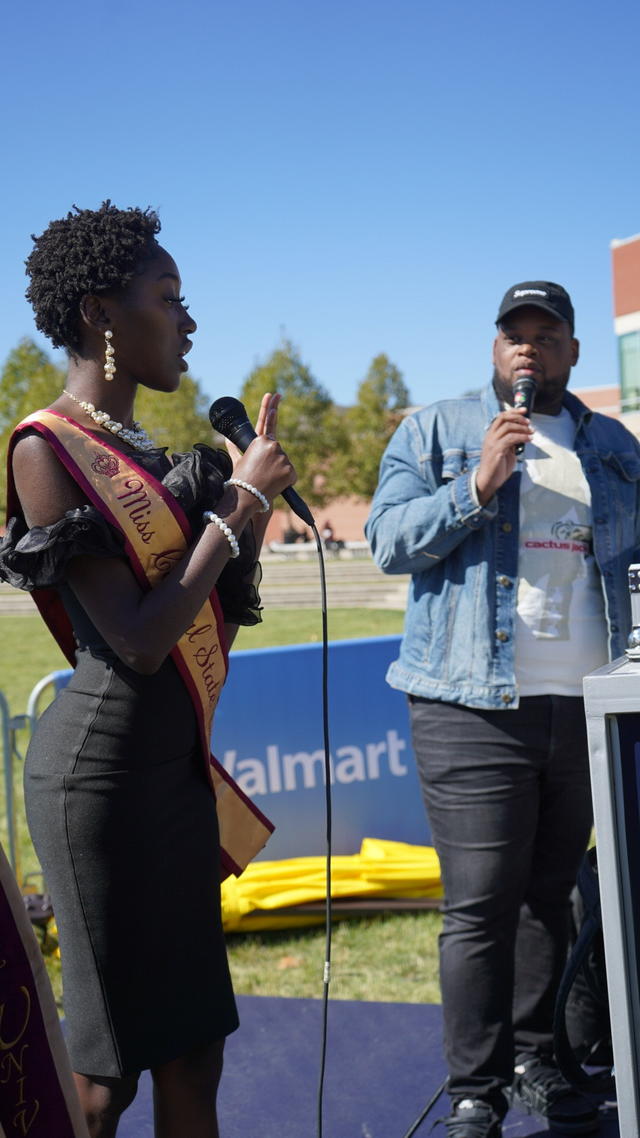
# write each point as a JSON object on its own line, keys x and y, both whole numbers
{"x": 137, "y": 504}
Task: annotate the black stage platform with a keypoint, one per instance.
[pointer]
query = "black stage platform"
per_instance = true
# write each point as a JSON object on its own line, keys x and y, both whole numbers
{"x": 384, "y": 1062}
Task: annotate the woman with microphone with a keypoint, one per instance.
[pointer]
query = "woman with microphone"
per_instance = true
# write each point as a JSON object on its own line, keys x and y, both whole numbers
{"x": 143, "y": 566}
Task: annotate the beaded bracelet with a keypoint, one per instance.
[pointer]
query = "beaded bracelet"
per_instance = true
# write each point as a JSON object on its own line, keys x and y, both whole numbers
{"x": 209, "y": 516}
{"x": 252, "y": 490}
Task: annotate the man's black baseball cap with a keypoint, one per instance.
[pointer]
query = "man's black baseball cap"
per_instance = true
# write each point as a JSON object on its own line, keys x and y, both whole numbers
{"x": 553, "y": 298}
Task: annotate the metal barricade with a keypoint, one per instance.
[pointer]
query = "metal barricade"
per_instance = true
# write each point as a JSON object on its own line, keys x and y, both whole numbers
{"x": 57, "y": 681}
{"x": 10, "y": 726}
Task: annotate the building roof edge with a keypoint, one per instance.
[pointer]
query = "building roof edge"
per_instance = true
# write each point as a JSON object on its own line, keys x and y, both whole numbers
{"x": 617, "y": 241}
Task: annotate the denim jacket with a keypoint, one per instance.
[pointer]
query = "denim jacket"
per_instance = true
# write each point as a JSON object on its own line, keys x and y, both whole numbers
{"x": 458, "y": 642}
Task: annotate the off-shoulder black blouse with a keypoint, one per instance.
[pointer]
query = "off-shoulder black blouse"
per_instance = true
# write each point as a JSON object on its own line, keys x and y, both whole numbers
{"x": 38, "y": 557}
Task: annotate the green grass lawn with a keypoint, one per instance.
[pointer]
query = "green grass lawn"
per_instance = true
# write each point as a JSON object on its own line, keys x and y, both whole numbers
{"x": 29, "y": 652}
{"x": 304, "y": 626}
{"x": 386, "y": 957}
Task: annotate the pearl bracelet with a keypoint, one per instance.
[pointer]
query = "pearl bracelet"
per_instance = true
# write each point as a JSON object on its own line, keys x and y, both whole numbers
{"x": 252, "y": 490}
{"x": 209, "y": 516}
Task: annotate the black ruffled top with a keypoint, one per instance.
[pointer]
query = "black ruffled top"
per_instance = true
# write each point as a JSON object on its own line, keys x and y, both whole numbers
{"x": 37, "y": 558}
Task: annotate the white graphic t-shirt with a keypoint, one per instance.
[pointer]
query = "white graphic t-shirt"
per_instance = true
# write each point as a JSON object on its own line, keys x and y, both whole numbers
{"x": 560, "y": 622}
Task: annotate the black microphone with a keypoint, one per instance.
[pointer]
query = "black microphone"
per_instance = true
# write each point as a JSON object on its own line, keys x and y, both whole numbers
{"x": 524, "y": 393}
{"x": 229, "y": 418}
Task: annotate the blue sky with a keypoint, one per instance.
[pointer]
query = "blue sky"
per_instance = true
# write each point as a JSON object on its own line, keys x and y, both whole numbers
{"x": 361, "y": 176}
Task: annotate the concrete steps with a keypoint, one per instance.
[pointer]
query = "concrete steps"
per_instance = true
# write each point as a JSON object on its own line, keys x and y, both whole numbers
{"x": 351, "y": 583}
{"x": 15, "y": 601}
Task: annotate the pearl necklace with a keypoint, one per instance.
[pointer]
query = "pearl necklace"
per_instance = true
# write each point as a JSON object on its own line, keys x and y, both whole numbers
{"x": 135, "y": 435}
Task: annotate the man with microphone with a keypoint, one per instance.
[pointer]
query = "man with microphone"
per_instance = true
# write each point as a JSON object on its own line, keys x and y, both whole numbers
{"x": 517, "y": 513}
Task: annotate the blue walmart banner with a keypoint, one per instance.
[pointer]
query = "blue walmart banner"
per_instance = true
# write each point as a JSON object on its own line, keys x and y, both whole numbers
{"x": 268, "y": 734}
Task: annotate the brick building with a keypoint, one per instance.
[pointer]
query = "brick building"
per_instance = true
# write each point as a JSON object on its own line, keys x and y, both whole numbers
{"x": 625, "y": 258}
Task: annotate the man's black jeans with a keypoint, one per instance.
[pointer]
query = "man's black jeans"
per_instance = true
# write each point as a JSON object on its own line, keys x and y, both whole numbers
{"x": 508, "y": 799}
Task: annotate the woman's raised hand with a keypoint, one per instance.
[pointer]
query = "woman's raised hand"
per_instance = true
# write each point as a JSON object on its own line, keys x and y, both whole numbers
{"x": 264, "y": 464}
{"x": 267, "y": 423}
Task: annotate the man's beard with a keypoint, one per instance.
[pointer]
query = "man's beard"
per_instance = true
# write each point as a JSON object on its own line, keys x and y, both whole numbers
{"x": 547, "y": 395}
{"x": 503, "y": 389}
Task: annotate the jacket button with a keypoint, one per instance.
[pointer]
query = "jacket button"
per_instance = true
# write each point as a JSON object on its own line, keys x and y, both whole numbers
{"x": 501, "y": 635}
{"x": 506, "y": 698}
{"x": 504, "y": 581}
{"x": 506, "y": 527}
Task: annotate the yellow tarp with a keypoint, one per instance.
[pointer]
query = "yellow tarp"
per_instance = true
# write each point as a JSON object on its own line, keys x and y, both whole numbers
{"x": 381, "y": 869}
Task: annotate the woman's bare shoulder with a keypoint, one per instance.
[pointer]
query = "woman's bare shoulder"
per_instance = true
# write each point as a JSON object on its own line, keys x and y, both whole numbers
{"x": 45, "y": 489}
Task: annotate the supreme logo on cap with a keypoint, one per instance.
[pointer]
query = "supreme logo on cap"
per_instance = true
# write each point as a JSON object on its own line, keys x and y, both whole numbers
{"x": 551, "y": 297}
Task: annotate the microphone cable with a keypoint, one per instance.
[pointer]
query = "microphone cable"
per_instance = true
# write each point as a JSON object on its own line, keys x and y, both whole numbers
{"x": 423, "y": 1114}
{"x": 328, "y": 821}
{"x": 328, "y": 913}
{"x": 228, "y": 417}
{"x": 329, "y": 837}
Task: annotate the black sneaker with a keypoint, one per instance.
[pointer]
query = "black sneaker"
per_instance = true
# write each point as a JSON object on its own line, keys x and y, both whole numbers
{"x": 539, "y": 1088}
{"x": 473, "y": 1118}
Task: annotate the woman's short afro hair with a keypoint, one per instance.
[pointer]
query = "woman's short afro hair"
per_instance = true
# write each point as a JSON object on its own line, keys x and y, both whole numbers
{"x": 88, "y": 251}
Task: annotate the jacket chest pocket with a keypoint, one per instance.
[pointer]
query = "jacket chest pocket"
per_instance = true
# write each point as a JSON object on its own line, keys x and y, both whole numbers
{"x": 615, "y": 480}
{"x": 456, "y": 462}
{"x": 624, "y": 466}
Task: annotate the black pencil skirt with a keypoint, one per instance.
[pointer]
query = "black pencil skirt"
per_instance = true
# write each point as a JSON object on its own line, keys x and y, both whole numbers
{"x": 124, "y": 824}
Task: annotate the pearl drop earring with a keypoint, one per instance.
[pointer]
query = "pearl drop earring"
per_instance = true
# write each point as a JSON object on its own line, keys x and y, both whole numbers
{"x": 109, "y": 353}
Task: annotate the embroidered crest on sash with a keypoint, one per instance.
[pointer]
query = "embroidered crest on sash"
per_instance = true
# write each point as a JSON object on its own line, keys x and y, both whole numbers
{"x": 105, "y": 463}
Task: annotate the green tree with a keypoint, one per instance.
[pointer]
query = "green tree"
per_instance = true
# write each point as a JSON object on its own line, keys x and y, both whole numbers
{"x": 28, "y": 382}
{"x": 306, "y": 419}
{"x": 367, "y": 427}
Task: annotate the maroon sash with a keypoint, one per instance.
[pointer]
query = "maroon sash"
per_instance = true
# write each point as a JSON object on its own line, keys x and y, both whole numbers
{"x": 157, "y": 534}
